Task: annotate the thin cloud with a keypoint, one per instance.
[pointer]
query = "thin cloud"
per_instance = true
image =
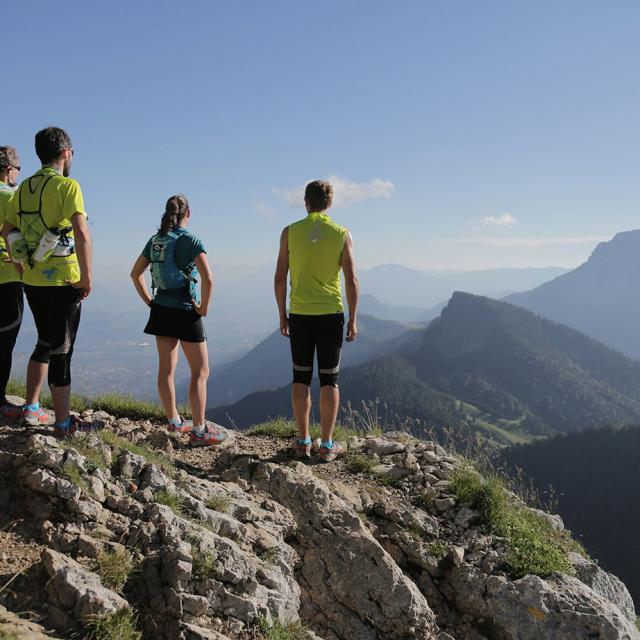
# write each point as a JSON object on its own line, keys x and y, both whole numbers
{"x": 505, "y": 220}
{"x": 263, "y": 209}
{"x": 535, "y": 241}
{"x": 346, "y": 192}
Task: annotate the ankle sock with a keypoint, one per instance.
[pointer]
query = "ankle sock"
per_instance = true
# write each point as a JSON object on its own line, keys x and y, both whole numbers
{"x": 306, "y": 441}
{"x": 176, "y": 422}
{"x": 198, "y": 429}
{"x": 65, "y": 424}
{"x": 327, "y": 444}
{"x": 32, "y": 407}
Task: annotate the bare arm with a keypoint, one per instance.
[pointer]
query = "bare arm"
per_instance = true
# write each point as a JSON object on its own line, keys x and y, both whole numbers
{"x": 280, "y": 281}
{"x": 352, "y": 285}
{"x": 7, "y": 227}
{"x": 139, "y": 282}
{"x": 206, "y": 285}
{"x": 84, "y": 251}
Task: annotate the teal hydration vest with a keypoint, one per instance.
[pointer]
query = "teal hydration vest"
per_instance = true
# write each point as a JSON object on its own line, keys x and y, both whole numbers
{"x": 165, "y": 273}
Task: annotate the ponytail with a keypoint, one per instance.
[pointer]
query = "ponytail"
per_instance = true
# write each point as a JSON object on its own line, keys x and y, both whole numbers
{"x": 175, "y": 210}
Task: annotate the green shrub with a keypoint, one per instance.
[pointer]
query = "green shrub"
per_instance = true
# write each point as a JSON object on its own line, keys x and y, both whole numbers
{"x": 114, "y": 568}
{"x": 114, "y": 626}
{"x": 533, "y": 544}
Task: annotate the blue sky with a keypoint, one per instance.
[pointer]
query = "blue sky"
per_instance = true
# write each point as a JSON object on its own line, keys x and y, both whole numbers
{"x": 463, "y": 134}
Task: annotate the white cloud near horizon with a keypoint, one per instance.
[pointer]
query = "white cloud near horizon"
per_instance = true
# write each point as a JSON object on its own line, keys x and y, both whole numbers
{"x": 505, "y": 220}
{"x": 346, "y": 192}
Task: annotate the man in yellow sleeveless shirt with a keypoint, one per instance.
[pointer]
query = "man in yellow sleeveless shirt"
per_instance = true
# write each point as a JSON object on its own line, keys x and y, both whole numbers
{"x": 314, "y": 250}
{"x": 46, "y": 231}
{"x": 11, "y": 300}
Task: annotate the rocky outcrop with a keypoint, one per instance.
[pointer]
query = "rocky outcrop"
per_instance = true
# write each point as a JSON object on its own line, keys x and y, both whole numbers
{"x": 238, "y": 540}
{"x": 14, "y": 627}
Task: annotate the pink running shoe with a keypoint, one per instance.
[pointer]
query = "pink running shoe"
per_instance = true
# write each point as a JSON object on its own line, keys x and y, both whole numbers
{"x": 213, "y": 435}
{"x": 34, "y": 418}
{"x": 328, "y": 454}
{"x": 183, "y": 427}
{"x": 10, "y": 411}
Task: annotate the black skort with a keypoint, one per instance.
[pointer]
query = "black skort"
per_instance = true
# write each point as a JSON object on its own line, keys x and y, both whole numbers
{"x": 175, "y": 323}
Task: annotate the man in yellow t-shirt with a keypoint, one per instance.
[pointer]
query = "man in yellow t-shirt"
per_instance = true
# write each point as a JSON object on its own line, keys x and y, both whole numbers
{"x": 11, "y": 300}
{"x": 314, "y": 250}
{"x": 46, "y": 230}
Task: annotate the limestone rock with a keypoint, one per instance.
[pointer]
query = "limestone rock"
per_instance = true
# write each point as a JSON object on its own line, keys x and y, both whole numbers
{"x": 130, "y": 465}
{"x": 384, "y": 447}
{"x": 335, "y": 542}
{"x": 605, "y": 584}
{"x": 77, "y": 590}
{"x": 560, "y": 607}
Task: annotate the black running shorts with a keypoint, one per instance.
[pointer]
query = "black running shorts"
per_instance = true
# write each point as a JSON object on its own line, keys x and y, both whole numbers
{"x": 175, "y": 323}
{"x": 316, "y": 334}
{"x": 11, "y": 309}
{"x": 56, "y": 313}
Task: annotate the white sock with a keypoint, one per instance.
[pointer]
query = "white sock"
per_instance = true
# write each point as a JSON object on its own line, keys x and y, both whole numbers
{"x": 198, "y": 429}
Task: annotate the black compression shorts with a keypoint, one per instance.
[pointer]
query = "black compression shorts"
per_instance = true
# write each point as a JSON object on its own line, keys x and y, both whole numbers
{"x": 321, "y": 334}
{"x": 56, "y": 313}
{"x": 11, "y": 308}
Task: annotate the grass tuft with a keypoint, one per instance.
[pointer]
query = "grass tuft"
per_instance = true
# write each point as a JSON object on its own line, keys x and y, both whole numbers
{"x": 204, "y": 565}
{"x": 75, "y": 475}
{"x": 423, "y": 501}
{"x": 278, "y": 631}
{"x": 120, "y": 625}
{"x": 285, "y": 428}
{"x": 438, "y": 549}
{"x": 152, "y": 456}
{"x": 173, "y": 501}
{"x": 533, "y": 545}
{"x": 360, "y": 463}
{"x": 8, "y": 635}
{"x": 218, "y": 502}
{"x": 115, "y": 404}
{"x": 95, "y": 457}
{"x": 277, "y": 428}
{"x": 114, "y": 568}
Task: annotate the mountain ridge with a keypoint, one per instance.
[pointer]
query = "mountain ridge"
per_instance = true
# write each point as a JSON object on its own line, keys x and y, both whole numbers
{"x": 600, "y": 297}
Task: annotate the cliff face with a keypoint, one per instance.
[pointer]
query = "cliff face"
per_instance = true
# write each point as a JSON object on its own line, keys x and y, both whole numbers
{"x": 244, "y": 542}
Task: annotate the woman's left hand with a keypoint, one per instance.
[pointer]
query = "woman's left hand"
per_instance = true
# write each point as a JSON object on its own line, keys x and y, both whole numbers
{"x": 200, "y": 309}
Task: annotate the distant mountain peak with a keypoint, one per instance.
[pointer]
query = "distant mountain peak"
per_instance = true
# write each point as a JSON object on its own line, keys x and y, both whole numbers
{"x": 601, "y": 297}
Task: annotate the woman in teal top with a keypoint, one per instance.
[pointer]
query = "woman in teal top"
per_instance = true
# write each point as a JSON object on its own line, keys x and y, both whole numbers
{"x": 177, "y": 258}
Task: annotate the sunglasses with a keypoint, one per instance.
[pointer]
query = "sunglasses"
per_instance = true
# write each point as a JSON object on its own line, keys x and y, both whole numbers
{"x": 17, "y": 167}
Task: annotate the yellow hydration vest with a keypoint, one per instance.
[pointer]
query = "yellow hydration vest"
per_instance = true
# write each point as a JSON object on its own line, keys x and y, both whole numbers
{"x": 44, "y": 201}
{"x": 315, "y": 252}
{"x": 8, "y": 272}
